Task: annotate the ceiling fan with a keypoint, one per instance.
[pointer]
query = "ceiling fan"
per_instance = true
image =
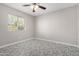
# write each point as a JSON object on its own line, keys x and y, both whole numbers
{"x": 34, "y": 6}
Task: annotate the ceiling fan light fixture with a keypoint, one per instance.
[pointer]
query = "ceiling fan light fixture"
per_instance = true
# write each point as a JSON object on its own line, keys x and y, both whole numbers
{"x": 34, "y": 7}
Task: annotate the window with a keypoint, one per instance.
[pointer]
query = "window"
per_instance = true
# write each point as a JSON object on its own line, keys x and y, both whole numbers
{"x": 15, "y": 23}
{"x": 20, "y": 23}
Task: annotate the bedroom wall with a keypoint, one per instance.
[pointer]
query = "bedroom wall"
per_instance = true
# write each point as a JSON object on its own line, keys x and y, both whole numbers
{"x": 6, "y": 36}
{"x": 58, "y": 26}
{"x": 78, "y": 22}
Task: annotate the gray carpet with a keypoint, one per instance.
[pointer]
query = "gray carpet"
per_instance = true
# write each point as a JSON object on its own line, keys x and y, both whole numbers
{"x": 39, "y": 48}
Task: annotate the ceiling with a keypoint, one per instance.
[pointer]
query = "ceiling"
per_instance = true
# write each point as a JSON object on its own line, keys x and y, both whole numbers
{"x": 51, "y": 7}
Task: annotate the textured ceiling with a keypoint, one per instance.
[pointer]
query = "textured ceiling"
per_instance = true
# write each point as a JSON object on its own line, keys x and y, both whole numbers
{"x": 51, "y": 7}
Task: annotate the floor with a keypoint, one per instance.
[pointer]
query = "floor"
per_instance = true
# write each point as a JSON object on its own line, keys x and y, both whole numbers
{"x": 39, "y": 48}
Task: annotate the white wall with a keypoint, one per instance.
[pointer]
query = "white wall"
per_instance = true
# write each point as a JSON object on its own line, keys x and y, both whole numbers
{"x": 58, "y": 26}
{"x": 78, "y": 22}
{"x": 6, "y": 36}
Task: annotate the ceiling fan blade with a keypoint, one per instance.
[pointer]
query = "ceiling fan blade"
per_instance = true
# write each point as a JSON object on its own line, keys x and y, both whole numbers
{"x": 26, "y": 5}
{"x": 42, "y": 7}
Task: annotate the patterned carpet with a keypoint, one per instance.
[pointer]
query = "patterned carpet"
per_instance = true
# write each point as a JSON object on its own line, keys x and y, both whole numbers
{"x": 39, "y": 48}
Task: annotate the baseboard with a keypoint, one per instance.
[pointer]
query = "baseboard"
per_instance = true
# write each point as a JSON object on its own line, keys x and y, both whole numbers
{"x": 15, "y": 42}
{"x": 58, "y": 42}
{"x": 38, "y": 39}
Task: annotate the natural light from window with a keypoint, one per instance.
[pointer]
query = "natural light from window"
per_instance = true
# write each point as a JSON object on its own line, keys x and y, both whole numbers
{"x": 15, "y": 23}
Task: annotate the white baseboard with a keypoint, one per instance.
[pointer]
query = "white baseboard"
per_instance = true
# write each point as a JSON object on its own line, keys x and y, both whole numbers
{"x": 38, "y": 39}
{"x": 15, "y": 42}
{"x": 58, "y": 42}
